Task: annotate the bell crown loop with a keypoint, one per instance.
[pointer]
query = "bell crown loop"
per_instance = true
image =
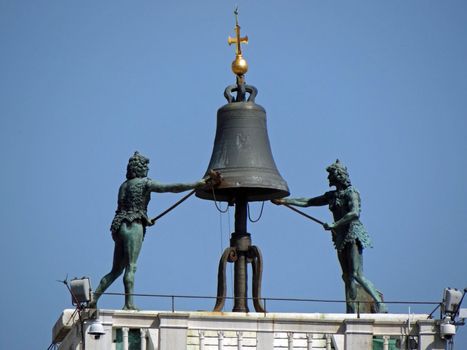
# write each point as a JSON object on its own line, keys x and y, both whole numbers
{"x": 241, "y": 90}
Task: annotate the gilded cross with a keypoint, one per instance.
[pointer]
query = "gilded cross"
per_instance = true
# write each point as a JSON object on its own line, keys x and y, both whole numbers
{"x": 238, "y": 40}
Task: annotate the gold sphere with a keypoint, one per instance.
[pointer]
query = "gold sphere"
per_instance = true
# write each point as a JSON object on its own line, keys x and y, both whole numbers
{"x": 239, "y": 66}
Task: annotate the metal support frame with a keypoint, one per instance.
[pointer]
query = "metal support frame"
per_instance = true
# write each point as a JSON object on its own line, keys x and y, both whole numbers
{"x": 240, "y": 252}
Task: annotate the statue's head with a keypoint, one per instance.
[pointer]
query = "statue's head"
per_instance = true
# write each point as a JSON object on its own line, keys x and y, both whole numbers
{"x": 137, "y": 166}
{"x": 338, "y": 174}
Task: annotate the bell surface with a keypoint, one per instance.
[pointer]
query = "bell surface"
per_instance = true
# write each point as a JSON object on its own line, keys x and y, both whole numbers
{"x": 242, "y": 154}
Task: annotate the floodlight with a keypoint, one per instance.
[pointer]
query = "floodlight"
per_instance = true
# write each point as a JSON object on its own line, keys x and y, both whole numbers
{"x": 80, "y": 290}
{"x": 452, "y": 297}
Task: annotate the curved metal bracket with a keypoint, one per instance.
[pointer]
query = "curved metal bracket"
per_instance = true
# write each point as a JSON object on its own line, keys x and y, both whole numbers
{"x": 241, "y": 90}
{"x": 229, "y": 255}
{"x": 257, "y": 267}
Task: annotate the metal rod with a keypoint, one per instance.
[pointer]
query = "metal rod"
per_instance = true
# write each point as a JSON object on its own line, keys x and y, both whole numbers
{"x": 304, "y": 214}
{"x": 271, "y": 298}
{"x": 240, "y": 215}
{"x": 173, "y": 206}
{"x": 240, "y": 266}
{"x": 240, "y": 284}
{"x": 431, "y": 313}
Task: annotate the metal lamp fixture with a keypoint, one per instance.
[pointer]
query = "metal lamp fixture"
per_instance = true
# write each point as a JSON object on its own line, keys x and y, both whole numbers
{"x": 80, "y": 290}
{"x": 452, "y": 298}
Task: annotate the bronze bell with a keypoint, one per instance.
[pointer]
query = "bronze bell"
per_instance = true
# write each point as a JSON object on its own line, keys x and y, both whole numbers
{"x": 242, "y": 153}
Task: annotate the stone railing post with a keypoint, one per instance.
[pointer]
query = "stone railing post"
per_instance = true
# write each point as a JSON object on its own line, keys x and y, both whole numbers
{"x": 201, "y": 340}
{"x": 143, "y": 334}
{"x": 239, "y": 340}
{"x": 328, "y": 342}
{"x": 290, "y": 340}
{"x": 220, "y": 340}
{"x": 309, "y": 340}
{"x": 125, "y": 331}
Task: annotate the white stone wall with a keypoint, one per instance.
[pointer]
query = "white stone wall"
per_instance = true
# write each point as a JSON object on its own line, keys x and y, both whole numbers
{"x": 249, "y": 331}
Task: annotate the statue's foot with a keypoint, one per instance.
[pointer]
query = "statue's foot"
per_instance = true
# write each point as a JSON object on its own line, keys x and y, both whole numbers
{"x": 381, "y": 308}
{"x": 351, "y": 308}
{"x": 130, "y": 307}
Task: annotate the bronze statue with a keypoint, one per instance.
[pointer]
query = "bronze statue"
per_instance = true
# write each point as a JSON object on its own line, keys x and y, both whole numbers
{"x": 130, "y": 222}
{"x": 348, "y": 233}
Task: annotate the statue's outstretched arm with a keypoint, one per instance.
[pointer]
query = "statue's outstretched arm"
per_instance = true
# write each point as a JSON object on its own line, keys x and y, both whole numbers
{"x": 305, "y": 202}
{"x": 155, "y": 186}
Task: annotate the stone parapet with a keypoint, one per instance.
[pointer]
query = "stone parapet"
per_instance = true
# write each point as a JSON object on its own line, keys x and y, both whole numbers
{"x": 154, "y": 330}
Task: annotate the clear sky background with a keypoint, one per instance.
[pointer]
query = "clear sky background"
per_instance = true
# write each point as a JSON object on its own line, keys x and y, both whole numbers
{"x": 381, "y": 85}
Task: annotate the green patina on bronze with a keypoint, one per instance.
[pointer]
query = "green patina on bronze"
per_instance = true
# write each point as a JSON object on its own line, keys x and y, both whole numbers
{"x": 348, "y": 233}
{"x": 129, "y": 224}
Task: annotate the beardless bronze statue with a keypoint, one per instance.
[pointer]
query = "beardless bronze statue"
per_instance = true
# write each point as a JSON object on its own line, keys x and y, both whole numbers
{"x": 348, "y": 233}
{"x": 131, "y": 219}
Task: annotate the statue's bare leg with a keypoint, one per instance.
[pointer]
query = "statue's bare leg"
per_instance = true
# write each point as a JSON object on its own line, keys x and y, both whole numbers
{"x": 350, "y": 288}
{"x": 132, "y": 235}
{"x": 357, "y": 271}
{"x": 117, "y": 269}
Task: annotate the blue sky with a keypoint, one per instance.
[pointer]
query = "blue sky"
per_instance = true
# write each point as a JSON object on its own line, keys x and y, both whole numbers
{"x": 381, "y": 85}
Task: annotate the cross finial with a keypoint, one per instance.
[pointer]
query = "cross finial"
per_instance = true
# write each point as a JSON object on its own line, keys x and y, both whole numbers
{"x": 239, "y": 65}
{"x": 238, "y": 40}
